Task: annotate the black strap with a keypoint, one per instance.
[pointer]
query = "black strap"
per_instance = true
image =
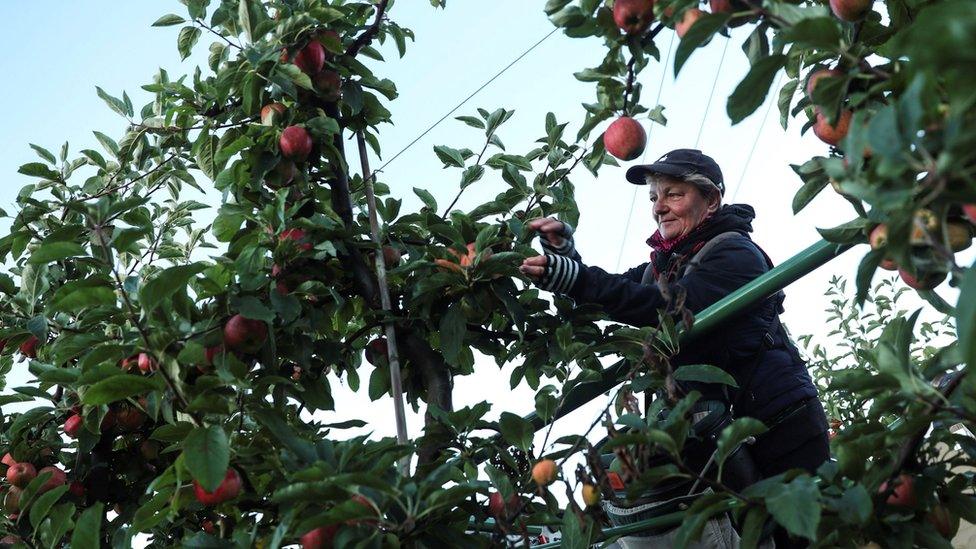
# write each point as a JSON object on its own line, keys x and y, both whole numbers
{"x": 768, "y": 342}
{"x": 773, "y": 328}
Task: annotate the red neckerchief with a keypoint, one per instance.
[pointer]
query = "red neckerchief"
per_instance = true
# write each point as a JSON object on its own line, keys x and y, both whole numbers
{"x": 661, "y": 245}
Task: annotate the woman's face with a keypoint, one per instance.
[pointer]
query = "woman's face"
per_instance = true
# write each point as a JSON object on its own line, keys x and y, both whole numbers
{"x": 679, "y": 207}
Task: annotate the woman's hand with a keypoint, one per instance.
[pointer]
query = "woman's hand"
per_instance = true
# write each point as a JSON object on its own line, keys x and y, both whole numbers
{"x": 552, "y": 230}
{"x": 534, "y": 267}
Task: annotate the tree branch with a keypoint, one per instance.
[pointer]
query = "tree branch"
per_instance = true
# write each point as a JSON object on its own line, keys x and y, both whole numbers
{"x": 367, "y": 36}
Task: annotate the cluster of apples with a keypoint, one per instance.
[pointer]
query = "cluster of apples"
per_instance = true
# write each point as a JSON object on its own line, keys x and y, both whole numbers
{"x": 19, "y": 474}
{"x": 295, "y": 143}
{"x": 626, "y": 139}
{"x": 926, "y": 227}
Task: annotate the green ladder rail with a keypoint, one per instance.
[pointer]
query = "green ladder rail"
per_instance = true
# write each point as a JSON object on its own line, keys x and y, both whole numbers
{"x": 781, "y": 276}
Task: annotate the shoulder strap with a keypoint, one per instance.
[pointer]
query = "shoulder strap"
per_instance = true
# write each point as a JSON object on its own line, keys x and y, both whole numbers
{"x": 708, "y": 247}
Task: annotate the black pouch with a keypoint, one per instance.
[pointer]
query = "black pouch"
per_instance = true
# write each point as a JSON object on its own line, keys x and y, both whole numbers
{"x": 789, "y": 429}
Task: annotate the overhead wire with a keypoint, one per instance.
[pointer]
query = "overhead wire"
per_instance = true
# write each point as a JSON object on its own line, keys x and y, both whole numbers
{"x": 762, "y": 126}
{"x": 633, "y": 199}
{"x": 711, "y": 94}
{"x": 465, "y": 100}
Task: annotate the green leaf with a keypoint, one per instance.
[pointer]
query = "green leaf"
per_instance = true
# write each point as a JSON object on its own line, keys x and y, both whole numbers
{"x": 40, "y": 507}
{"x": 252, "y": 307}
{"x": 734, "y": 434}
{"x": 545, "y": 405}
{"x": 819, "y": 32}
{"x": 449, "y": 156}
{"x": 808, "y": 192}
{"x": 471, "y": 121}
{"x": 43, "y": 153}
{"x": 452, "y": 333}
{"x": 114, "y": 103}
{"x": 169, "y": 20}
{"x": 296, "y": 75}
{"x": 704, "y": 373}
{"x": 750, "y": 94}
{"x": 426, "y": 197}
{"x": 79, "y": 294}
{"x": 116, "y": 388}
{"x": 472, "y": 174}
{"x": 87, "y": 534}
{"x": 55, "y": 251}
{"x": 698, "y": 34}
{"x": 855, "y": 506}
{"x": 206, "y": 452}
{"x": 244, "y": 17}
{"x": 516, "y": 430}
{"x": 166, "y": 283}
{"x": 187, "y": 39}
{"x": 796, "y": 506}
{"x": 37, "y": 169}
{"x": 966, "y": 316}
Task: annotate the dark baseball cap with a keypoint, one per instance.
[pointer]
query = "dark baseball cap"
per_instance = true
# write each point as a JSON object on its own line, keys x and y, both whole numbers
{"x": 680, "y": 163}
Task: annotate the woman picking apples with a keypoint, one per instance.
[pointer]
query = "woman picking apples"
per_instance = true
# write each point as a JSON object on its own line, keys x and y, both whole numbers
{"x": 702, "y": 249}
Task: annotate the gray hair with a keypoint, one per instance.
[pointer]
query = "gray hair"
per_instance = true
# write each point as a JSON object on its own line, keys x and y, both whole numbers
{"x": 705, "y": 185}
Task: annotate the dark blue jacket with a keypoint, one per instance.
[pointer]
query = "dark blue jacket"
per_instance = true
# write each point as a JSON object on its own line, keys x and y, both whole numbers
{"x": 781, "y": 377}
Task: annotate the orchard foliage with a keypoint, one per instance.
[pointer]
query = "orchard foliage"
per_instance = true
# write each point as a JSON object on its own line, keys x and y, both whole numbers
{"x": 183, "y": 372}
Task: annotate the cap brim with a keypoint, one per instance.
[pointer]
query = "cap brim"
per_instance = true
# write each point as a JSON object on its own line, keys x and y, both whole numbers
{"x": 637, "y": 174}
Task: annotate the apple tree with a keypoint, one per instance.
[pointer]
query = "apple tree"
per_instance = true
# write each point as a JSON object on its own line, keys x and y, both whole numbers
{"x": 181, "y": 371}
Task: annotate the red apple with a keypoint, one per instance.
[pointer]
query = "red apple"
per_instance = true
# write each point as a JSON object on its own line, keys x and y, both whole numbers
{"x": 146, "y": 363}
{"x": 57, "y": 478}
{"x": 77, "y": 489}
{"x": 625, "y": 138}
{"x": 245, "y": 334}
{"x": 11, "y": 502}
{"x": 73, "y": 425}
{"x": 832, "y": 135}
{"x": 927, "y": 281}
{"x": 391, "y": 257}
{"x": 688, "y": 18}
{"x": 298, "y": 236}
{"x": 815, "y": 77}
{"x": 20, "y": 474}
{"x": 329, "y": 84}
{"x": 904, "y": 493}
{"x": 228, "y": 489}
{"x": 879, "y": 236}
{"x": 888, "y": 265}
{"x": 149, "y": 449}
{"x": 295, "y": 143}
{"x": 945, "y": 521}
{"x": 633, "y": 16}
{"x": 850, "y": 10}
{"x": 320, "y": 538}
{"x": 129, "y": 419}
{"x": 29, "y": 348}
{"x": 208, "y": 526}
{"x": 969, "y": 210}
{"x": 311, "y": 59}
{"x": 210, "y": 353}
{"x": 377, "y": 351}
{"x": 8, "y": 459}
{"x": 497, "y": 507}
{"x": 282, "y": 175}
{"x": 271, "y": 112}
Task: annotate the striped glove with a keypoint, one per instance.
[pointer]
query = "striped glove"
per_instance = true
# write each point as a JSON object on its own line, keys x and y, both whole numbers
{"x": 567, "y": 248}
{"x": 561, "y": 274}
